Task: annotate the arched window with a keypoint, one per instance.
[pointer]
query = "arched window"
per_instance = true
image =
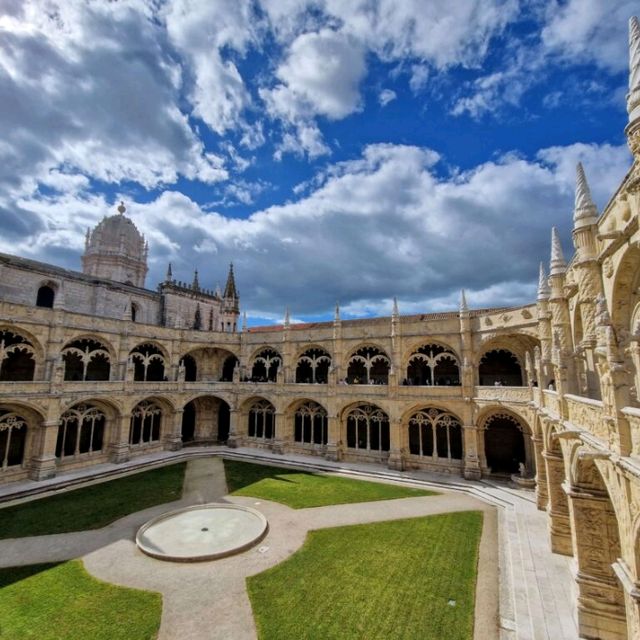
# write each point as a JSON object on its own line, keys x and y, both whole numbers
{"x": 86, "y": 360}
{"x": 433, "y": 364}
{"x": 46, "y": 296}
{"x": 228, "y": 368}
{"x": 368, "y": 428}
{"x": 435, "y": 433}
{"x": 368, "y": 365}
{"x": 13, "y": 438}
{"x": 148, "y": 363}
{"x": 17, "y": 358}
{"x": 504, "y": 445}
{"x": 311, "y": 424}
{"x": 313, "y": 367}
{"x": 265, "y": 366}
{"x": 500, "y": 367}
{"x": 145, "y": 423}
{"x": 190, "y": 368}
{"x": 262, "y": 420}
{"x": 81, "y": 431}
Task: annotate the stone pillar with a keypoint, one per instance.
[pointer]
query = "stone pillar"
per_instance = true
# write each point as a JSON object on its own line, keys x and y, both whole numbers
{"x": 631, "y": 588}
{"x": 234, "y": 438}
{"x": 173, "y": 439}
{"x": 396, "y": 444}
{"x": 118, "y": 448}
{"x": 557, "y": 505}
{"x": 472, "y": 470}
{"x": 601, "y": 606}
{"x": 333, "y": 438}
{"x": 542, "y": 494}
{"x": 43, "y": 463}
{"x": 282, "y": 432}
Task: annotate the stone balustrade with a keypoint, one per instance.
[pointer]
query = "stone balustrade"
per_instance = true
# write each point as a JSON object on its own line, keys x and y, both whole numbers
{"x": 632, "y": 414}
{"x": 588, "y": 414}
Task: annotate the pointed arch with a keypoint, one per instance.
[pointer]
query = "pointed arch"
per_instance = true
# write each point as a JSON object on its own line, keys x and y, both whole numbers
{"x": 368, "y": 364}
{"x": 313, "y": 366}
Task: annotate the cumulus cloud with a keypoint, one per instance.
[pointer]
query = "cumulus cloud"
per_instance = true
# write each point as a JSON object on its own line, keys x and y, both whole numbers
{"x": 381, "y": 225}
{"x": 386, "y": 96}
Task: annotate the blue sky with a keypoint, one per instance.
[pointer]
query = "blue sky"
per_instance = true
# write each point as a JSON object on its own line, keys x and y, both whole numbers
{"x": 334, "y": 151}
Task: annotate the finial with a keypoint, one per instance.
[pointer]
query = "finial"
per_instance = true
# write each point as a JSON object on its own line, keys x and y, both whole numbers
{"x": 196, "y": 282}
{"x": 543, "y": 285}
{"x": 336, "y": 316}
{"x": 244, "y": 322}
{"x": 121, "y": 208}
{"x": 558, "y": 264}
{"x": 169, "y": 277}
{"x": 633, "y": 97}
{"x": 395, "y": 313}
{"x": 287, "y": 318}
{"x": 585, "y": 211}
{"x": 463, "y": 302}
{"x": 230, "y": 290}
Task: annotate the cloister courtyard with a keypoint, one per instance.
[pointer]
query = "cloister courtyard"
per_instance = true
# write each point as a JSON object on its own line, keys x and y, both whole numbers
{"x": 351, "y": 552}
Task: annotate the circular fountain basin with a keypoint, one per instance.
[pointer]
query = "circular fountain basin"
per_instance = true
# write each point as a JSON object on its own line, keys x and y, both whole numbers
{"x": 202, "y": 532}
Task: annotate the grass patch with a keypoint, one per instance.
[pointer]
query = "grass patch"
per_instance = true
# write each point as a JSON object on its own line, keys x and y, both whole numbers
{"x": 299, "y": 489}
{"x": 375, "y": 581}
{"x": 93, "y": 507}
{"x": 63, "y": 602}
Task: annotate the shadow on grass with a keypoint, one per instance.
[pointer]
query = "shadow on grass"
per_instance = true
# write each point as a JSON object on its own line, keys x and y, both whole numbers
{"x": 10, "y": 575}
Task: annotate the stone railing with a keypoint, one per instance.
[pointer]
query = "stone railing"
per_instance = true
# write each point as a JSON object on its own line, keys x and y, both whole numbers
{"x": 503, "y": 394}
{"x": 551, "y": 401}
{"x": 633, "y": 416}
{"x": 588, "y": 414}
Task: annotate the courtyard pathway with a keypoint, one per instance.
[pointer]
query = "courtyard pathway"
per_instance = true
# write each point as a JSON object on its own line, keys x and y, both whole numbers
{"x": 209, "y": 600}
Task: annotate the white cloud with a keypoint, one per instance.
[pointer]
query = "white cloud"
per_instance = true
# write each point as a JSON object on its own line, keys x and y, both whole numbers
{"x": 386, "y": 96}
{"x": 382, "y": 225}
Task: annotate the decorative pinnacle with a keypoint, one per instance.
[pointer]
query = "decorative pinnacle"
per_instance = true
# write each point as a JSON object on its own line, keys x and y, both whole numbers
{"x": 336, "y": 316}
{"x": 558, "y": 264}
{"x": 121, "y": 208}
{"x": 585, "y": 211}
{"x": 463, "y": 302}
{"x": 287, "y": 319}
{"x": 244, "y": 321}
{"x": 633, "y": 97}
{"x": 543, "y": 284}
{"x": 395, "y": 313}
{"x": 169, "y": 277}
{"x": 196, "y": 282}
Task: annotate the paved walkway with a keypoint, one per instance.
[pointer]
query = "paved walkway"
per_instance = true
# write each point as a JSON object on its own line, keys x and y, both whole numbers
{"x": 536, "y": 599}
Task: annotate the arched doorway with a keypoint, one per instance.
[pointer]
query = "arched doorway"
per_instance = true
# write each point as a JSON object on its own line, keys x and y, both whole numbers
{"x": 205, "y": 420}
{"x": 500, "y": 367}
{"x": 504, "y": 444}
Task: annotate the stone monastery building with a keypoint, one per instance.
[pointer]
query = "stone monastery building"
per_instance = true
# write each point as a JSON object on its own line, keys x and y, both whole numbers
{"x": 95, "y": 367}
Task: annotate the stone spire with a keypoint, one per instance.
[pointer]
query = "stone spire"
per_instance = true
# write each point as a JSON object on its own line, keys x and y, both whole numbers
{"x": 463, "y": 302}
{"x": 169, "y": 276}
{"x": 395, "y": 313}
{"x": 543, "y": 284}
{"x": 558, "y": 264}
{"x": 230, "y": 290}
{"x": 244, "y": 322}
{"x": 287, "y": 318}
{"x": 633, "y": 97}
{"x": 585, "y": 212}
{"x": 196, "y": 283}
{"x": 336, "y": 316}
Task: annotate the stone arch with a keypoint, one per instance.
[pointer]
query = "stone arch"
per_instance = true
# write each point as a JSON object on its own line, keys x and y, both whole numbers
{"x": 625, "y": 296}
{"x": 310, "y": 421}
{"x": 261, "y": 419}
{"x": 83, "y": 429}
{"x": 506, "y": 442}
{"x": 500, "y": 367}
{"x": 432, "y": 363}
{"x": 148, "y": 421}
{"x": 313, "y": 365}
{"x": 265, "y": 364}
{"x": 368, "y": 364}
{"x": 367, "y": 430}
{"x": 18, "y": 357}
{"x": 434, "y": 433}
{"x": 150, "y": 361}
{"x": 87, "y": 357}
{"x": 206, "y": 419}
{"x": 17, "y": 427}
{"x": 210, "y": 363}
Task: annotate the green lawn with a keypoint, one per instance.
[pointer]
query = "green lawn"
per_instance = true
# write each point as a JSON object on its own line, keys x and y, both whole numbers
{"x": 377, "y": 581}
{"x": 298, "y": 489}
{"x": 92, "y": 507}
{"x": 63, "y": 602}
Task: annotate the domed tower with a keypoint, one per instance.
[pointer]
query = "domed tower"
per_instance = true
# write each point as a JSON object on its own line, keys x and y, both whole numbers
{"x": 116, "y": 250}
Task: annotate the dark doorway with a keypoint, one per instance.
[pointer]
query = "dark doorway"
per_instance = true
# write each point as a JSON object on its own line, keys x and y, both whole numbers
{"x": 224, "y": 418}
{"x": 189, "y": 422}
{"x": 504, "y": 445}
{"x": 46, "y": 296}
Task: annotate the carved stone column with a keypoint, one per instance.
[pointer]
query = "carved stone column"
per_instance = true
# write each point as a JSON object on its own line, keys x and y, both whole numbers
{"x": 282, "y": 432}
{"x": 396, "y": 444}
{"x": 557, "y": 505}
{"x": 173, "y": 439}
{"x": 118, "y": 448}
{"x": 333, "y": 438}
{"x": 542, "y": 491}
{"x": 472, "y": 470}
{"x": 43, "y": 463}
{"x": 601, "y": 606}
{"x": 631, "y": 587}
{"x": 234, "y": 439}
